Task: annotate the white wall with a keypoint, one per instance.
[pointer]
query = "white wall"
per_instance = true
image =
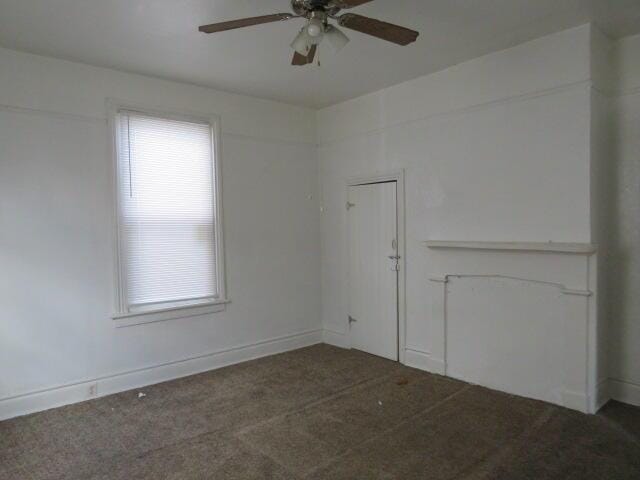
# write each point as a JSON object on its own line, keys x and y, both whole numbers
{"x": 623, "y": 268}
{"x": 496, "y": 148}
{"x": 539, "y": 142}
{"x": 56, "y": 233}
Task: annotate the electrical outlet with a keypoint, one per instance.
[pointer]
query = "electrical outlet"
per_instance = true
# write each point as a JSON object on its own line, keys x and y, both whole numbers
{"x": 93, "y": 390}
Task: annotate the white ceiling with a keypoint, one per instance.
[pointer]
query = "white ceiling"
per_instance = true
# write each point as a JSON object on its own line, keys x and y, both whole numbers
{"x": 160, "y": 38}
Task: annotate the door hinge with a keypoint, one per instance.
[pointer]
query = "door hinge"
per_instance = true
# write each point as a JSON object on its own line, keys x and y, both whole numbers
{"x": 396, "y": 263}
{"x": 350, "y": 205}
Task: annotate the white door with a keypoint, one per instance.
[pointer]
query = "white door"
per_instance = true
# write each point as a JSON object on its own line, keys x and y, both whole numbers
{"x": 373, "y": 269}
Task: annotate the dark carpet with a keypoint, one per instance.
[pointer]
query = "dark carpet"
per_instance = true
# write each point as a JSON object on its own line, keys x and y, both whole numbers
{"x": 320, "y": 413}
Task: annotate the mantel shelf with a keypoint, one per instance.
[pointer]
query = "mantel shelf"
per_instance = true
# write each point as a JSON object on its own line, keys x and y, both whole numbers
{"x": 570, "y": 248}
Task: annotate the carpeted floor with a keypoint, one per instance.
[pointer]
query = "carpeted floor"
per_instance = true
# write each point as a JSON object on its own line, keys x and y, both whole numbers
{"x": 320, "y": 413}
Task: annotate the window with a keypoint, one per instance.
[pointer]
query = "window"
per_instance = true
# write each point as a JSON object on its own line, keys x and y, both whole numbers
{"x": 169, "y": 235}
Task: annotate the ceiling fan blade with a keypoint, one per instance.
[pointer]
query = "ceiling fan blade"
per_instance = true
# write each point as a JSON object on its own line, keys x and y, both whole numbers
{"x": 350, "y": 3}
{"x": 244, "y": 22}
{"x": 301, "y": 60}
{"x": 312, "y": 53}
{"x": 377, "y": 28}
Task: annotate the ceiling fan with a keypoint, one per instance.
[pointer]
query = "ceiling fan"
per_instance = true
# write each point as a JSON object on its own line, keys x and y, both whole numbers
{"x": 317, "y": 14}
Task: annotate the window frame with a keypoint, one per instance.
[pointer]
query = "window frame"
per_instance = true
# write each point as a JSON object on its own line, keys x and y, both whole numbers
{"x": 124, "y": 314}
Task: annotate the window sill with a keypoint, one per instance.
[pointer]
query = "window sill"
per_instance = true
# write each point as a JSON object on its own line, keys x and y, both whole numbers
{"x": 132, "y": 319}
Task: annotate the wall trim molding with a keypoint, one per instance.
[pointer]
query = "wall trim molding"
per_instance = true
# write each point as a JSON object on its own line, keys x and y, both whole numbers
{"x": 576, "y": 401}
{"x": 273, "y": 141}
{"x": 563, "y": 289}
{"x": 337, "y": 339}
{"x": 620, "y": 93}
{"x": 577, "y": 293}
{"x": 96, "y": 120}
{"x": 77, "y": 117}
{"x": 624, "y": 392}
{"x": 59, "y": 396}
{"x": 424, "y": 361}
{"x": 536, "y": 247}
{"x": 602, "y": 394}
{"x": 473, "y": 107}
{"x": 439, "y": 279}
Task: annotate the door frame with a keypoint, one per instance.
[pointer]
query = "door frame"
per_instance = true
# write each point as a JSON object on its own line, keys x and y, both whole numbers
{"x": 378, "y": 177}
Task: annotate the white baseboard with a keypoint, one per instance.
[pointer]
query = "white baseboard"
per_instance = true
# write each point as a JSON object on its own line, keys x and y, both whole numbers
{"x": 575, "y": 401}
{"x": 73, "y": 393}
{"x": 624, "y": 392}
{"x": 67, "y": 394}
{"x": 336, "y": 339}
{"x": 603, "y": 395}
{"x": 423, "y": 361}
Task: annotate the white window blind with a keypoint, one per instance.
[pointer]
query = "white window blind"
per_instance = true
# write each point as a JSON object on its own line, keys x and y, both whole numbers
{"x": 167, "y": 224}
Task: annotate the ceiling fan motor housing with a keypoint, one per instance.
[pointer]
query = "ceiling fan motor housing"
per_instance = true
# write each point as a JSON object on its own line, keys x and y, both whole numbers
{"x": 305, "y": 8}
{"x": 318, "y": 3}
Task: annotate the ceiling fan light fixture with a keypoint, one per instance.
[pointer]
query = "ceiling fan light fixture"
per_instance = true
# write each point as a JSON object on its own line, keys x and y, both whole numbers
{"x": 315, "y": 28}
{"x": 336, "y": 37}
{"x": 302, "y": 43}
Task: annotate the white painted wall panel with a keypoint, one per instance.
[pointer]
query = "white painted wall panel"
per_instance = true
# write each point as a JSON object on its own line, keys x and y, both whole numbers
{"x": 507, "y": 334}
{"x": 485, "y": 163}
{"x": 624, "y": 265}
{"x": 628, "y": 64}
{"x": 518, "y": 171}
{"x": 42, "y": 83}
{"x": 546, "y": 63}
{"x": 53, "y": 236}
{"x": 496, "y": 149}
{"x": 56, "y": 255}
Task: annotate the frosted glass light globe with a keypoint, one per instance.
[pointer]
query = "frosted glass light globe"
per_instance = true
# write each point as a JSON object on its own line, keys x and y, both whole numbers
{"x": 315, "y": 28}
